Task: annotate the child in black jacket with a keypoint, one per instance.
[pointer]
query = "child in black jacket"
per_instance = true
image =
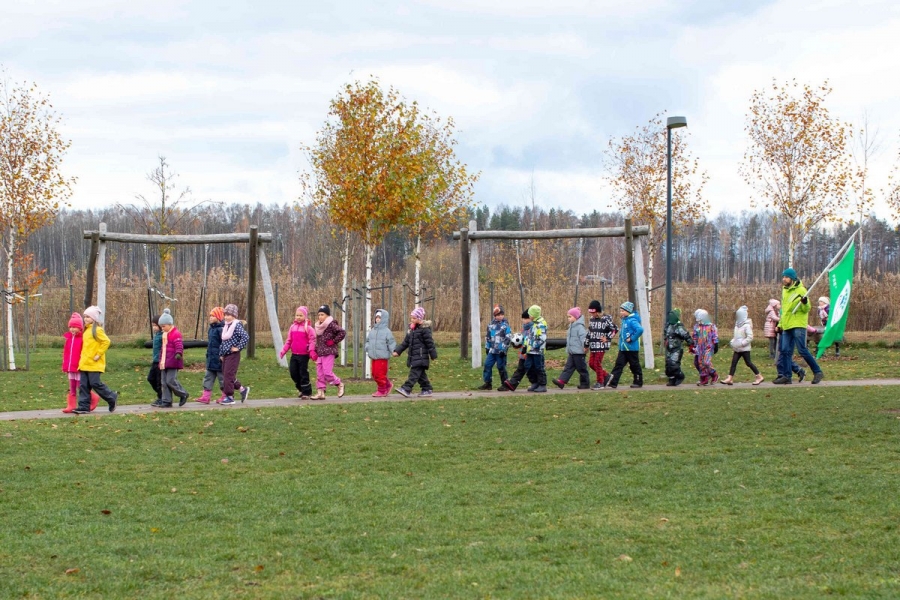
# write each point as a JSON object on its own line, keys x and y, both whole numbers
{"x": 421, "y": 352}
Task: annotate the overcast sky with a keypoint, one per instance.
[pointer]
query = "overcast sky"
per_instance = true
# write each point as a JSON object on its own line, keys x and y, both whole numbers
{"x": 228, "y": 91}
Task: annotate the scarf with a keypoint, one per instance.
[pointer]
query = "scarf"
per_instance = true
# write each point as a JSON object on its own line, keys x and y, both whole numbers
{"x": 228, "y": 330}
{"x": 321, "y": 327}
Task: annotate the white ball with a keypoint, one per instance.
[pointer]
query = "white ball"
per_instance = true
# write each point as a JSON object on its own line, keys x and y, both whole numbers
{"x": 516, "y": 340}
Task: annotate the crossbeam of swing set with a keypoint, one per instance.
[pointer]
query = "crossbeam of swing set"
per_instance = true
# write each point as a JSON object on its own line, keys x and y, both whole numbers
{"x": 553, "y": 234}
{"x": 209, "y": 238}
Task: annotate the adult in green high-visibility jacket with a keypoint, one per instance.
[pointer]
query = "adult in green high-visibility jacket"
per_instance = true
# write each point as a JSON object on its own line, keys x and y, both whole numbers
{"x": 794, "y": 318}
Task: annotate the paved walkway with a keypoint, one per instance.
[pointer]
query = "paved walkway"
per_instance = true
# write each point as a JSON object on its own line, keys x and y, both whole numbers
{"x": 134, "y": 409}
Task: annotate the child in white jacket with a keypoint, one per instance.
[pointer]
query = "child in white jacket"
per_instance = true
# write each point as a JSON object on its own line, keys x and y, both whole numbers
{"x": 740, "y": 343}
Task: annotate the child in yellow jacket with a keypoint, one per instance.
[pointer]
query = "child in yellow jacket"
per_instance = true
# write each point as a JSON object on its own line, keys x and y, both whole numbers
{"x": 93, "y": 363}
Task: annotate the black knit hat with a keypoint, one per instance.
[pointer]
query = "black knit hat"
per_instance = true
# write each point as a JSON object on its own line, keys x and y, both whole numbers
{"x": 595, "y": 305}
{"x": 525, "y": 314}
{"x": 324, "y": 309}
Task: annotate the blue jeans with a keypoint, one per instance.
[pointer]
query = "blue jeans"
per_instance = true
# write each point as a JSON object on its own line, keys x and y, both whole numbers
{"x": 791, "y": 339}
{"x": 494, "y": 359}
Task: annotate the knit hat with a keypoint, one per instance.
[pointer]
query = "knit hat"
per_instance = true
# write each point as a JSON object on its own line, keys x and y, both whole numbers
{"x": 534, "y": 311}
{"x": 824, "y": 300}
{"x": 701, "y": 316}
{"x": 674, "y": 316}
{"x": 324, "y": 309}
{"x": 76, "y": 321}
{"x": 741, "y": 314}
{"x": 304, "y": 310}
{"x": 377, "y": 314}
{"x": 498, "y": 310}
{"x": 155, "y": 320}
{"x": 166, "y": 318}
{"x": 628, "y": 307}
{"x": 574, "y": 312}
{"x": 218, "y": 312}
{"x": 595, "y": 306}
{"x": 418, "y": 313}
{"x": 525, "y": 314}
{"x": 94, "y": 313}
{"x": 790, "y": 272}
{"x": 231, "y": 309}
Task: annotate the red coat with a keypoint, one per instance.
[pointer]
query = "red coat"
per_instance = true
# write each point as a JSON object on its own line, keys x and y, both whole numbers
{"x": 172, "y": 345}
{"x": 71, "y": 352}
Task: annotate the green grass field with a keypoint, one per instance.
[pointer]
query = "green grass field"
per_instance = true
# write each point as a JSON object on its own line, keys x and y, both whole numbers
{"x": 709, "y": 493}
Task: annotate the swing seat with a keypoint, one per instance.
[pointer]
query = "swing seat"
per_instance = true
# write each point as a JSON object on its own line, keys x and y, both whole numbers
{"x": 187, "y": 344}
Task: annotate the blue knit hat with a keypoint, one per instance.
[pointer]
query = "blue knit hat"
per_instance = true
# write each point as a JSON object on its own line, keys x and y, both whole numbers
{"x": 628, "y": 307}
{"x": 790, "y": 272}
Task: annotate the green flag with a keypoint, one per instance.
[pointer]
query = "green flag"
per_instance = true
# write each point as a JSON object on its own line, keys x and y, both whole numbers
{"x": 840, "y": 280}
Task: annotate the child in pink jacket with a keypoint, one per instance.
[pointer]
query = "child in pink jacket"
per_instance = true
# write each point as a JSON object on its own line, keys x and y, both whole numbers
{"x": 301, "y": 341}
{"x": 71, "y": 356}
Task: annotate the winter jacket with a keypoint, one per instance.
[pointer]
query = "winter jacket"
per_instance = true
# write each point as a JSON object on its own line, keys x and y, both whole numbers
{"x": 790, "y": 299}
{"x": 214, "y": 346}
{"x": 743, "y": 335}
{"x": 772, "y": 318}
{"x": 602, "y": 326}
{"x": 157, "y": 346}
{"x": 526, "y": 332}
{"x": 95, "y": 342}
{"x": 239, "y": 339}
{"x": 706, "y": 339}
{"x": 71, "y": 352}
{"x": 301, "y": 339}
{"x": 380, "y": 342}
{"x": 823, "y": 314}
{"x": 172, "y": 350}
{"x": 537, "y": 337}
{"x": 576, "y": 336}
{"x": 332, "y": 333}
{"x": 630, "y": 335}
{"x": 420, "y": 344}
{"x": 676, "y": 335}
{"x": 497, "y": 338}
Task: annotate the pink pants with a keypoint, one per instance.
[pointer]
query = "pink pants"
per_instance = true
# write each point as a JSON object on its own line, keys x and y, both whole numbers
{"x": 325, "y": 372}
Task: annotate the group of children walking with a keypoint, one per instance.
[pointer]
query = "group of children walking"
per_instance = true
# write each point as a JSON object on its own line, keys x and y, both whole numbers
{"x": 587, "y": 343}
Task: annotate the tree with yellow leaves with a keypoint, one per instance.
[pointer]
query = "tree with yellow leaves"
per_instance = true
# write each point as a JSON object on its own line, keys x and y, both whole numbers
{"x": 32, "y": 186}
{"x": 798, "y": 157}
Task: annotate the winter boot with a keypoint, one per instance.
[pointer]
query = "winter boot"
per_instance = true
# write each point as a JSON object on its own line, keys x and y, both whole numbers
{"x": 205, "y": 397}
{"x": 71, "y": 403}
{"x": 95, "y": 399}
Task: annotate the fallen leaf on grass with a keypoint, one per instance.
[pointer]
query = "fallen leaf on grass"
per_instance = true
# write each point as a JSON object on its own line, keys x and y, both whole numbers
{"x": 258, "y": 568}
{"x": 224, "y": 461}
{"x": 624, "y": 558}
{"x": 72, "y": 571}
{"x": 678, "y": 569}
{"x": 106, "y": 511}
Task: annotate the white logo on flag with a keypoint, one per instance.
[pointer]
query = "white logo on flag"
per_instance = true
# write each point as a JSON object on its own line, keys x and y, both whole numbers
{"x": 840, "y": 305}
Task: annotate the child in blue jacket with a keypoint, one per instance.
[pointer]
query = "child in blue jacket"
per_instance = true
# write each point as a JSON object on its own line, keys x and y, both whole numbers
{"x": 629, "y": 347}
{"x": 496, "y": 344}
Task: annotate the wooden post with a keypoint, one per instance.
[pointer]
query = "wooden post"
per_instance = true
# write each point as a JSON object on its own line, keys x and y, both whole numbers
{"x": 474, "y": 307}
{"x": 629, "y": 259}
{"x": 643, "y": 306}
{"x": 466, "y": 293}
{"x": 271, "y": 307}
{"x": 251, "y": 291}
{"x": 92, "y": 265}
{"x": 101, "y": 277}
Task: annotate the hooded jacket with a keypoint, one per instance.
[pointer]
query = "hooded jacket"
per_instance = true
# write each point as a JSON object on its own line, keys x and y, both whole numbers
{"x": 172, "y": 350}
{"x": 380, "y": 342}
{"x": 537, "y": 337}
{"x": 576, "y": 336}
{"x": 772, "y": 318}
{"x": 498, "y": 334}
{"x": 676, "y": 334}
{"x": 95, "y": 343}
{"x": 214, "y": 346}
{"x": 743, "y": 331}
{"x": 420, "y": 344}
{"x": 601, "y": 326}
{"x": 630, "y": 335}
{"x": 72, "y": 352}
{"x": 790, "y": 299}
{"x": 301, "y": 339}
{"x": 239, "y": 339}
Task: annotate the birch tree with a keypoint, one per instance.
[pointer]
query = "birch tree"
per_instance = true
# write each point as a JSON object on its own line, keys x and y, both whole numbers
{"x": 32, "y": 185}
{"x": 797, "y": 160}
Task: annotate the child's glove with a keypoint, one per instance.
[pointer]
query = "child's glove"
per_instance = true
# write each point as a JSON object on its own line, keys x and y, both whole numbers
{"x": 313, "y": 356}
{"x": 628, "y": 339}
{"x": 716, "y": 348}
{"x": 329, "y": 342}
{"x": 178, "y": 356}
{"x": 281, "y": 354}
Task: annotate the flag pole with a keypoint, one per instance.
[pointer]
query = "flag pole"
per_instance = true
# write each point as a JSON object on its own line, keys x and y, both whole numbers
{"x": 840, "y": 254}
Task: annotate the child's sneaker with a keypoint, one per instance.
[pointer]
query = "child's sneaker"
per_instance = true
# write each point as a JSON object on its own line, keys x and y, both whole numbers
{"x": 607, "y": 379}
{"x": 801, "y": 375}
{"x": 485, "y": 386}
{"x": 597, "y": 386}
{"x": 425, "y": 394}
{"x": 112, "y": 403}
{"x": 245, "y": 391}
{"x": 228, "y": 400}
{"x": 559, "y": 383}
{"x": 403, "y": 392}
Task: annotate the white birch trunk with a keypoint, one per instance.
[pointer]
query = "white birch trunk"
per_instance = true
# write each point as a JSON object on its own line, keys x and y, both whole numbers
{"x": 9, "y": 311}
{"x": 370, "y": 252}
{"x": 345, "y": 292}
{"x": 417, "y": 289}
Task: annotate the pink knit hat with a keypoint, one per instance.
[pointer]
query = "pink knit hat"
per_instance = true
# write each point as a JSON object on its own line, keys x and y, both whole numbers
{"x": 94, "y": 313}
{"x": 304, "y": 310}
{"x": 76, "y": 321}
{"x": 418, "y": 313}
{"x": 574, "y": 312}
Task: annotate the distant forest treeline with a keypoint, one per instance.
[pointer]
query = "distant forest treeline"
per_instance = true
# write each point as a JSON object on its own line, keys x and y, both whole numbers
{"x": 747, "y": 248}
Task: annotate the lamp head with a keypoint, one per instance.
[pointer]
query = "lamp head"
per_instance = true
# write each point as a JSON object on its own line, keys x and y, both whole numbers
{"x": 676, "y": 122}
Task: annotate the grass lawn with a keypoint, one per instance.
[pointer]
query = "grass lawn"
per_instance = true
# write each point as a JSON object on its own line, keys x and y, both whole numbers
{"x": 709, "y": 493}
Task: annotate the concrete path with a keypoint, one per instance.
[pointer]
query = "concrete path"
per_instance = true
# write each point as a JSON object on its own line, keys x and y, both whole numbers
{"x": 134, "y": 409}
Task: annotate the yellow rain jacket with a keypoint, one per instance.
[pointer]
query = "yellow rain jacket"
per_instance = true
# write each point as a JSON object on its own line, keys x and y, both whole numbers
{"x": 92, "y": 347}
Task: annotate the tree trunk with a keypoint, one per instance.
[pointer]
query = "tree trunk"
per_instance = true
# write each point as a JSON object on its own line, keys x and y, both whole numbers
{"x": 416, "y": 288}
{"x": 10, "y": 251}
{"x": 345, "y": 293}
{"x": 791, "y": 242}
{"x": 370, "y": 252}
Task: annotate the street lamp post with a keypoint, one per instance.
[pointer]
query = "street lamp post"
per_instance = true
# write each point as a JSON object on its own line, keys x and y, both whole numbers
{"x": 671, "y": 123}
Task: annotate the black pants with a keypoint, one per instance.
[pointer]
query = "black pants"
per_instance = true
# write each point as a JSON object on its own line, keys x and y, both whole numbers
{"x": 576, "y": 362}
{"x": 673, "y": 365}
{"x": 522, "y": 369}
{"x": 736, "y": 357}
{"x": 154, "y": 379}
{"x": 629, "y": 357}
{"x": 537, "y": 374}
{"x": 417, "y": 375}
{"x": 299, "y": 368}
{"x": 90, "y": 381}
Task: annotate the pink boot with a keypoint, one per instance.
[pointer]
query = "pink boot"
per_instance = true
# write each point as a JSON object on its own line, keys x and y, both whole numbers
{"x": 204, "y": 397}
{"x": 379, "y": 393}
{"x": 219, "y": 401}
{"x": 71, "y": 403}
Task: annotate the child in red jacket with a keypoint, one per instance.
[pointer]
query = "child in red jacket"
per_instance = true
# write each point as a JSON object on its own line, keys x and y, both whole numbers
{"x": 71, "y": 356}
